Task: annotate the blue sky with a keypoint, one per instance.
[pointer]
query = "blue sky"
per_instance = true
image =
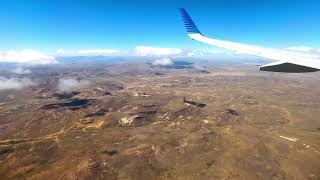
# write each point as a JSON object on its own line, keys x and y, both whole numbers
{"x": 49, "y": 25}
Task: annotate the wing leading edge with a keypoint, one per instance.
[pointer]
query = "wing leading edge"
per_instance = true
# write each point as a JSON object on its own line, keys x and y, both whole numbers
{"x": 287, "y": 61}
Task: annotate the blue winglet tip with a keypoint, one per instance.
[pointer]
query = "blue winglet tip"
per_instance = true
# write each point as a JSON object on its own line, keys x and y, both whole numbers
{"x": 188, "y": 22}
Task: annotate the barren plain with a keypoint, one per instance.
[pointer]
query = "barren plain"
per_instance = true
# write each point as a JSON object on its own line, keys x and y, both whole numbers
{"x": 140, "y": 121}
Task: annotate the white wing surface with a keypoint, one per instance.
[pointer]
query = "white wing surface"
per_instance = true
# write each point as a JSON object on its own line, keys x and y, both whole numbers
{"x": 287, "y": 60}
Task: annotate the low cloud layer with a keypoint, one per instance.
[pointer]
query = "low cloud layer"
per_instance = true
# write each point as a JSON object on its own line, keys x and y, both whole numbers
{"x": 33, "y": 57}
{"x": 88, "y": 52}
{"x": 137, "y": 51}
{"x": 156, "y": 51}
{"x": 163, "y": 62}
{"x": 21, "y": 70}
{"x": 171, "y": 52}
{"x": 26, "y": 56}
{"x": 14, "y": 83}
{"x": 98, "y": 52}
{"x": 70, "y": 84}
{"x": 304, "y": 49}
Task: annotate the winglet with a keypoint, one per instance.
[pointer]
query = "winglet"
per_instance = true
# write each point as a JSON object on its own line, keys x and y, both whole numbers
{"x": 188, "y": 23}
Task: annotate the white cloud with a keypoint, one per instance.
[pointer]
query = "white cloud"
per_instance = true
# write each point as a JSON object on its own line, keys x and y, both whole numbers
{"x": 14, "y": 83}
{"x": 26, "y": 56}
{"x": 70, "y": 84}
{"x": 300, "y": 48}
{"x": 98, "y": 52}
{"x": 304, "y": 49}
{"x": 88, "y": 52}
{"x": 140, "y": 51}
{"x": 163, "y": 62}
{"x": 200, "y": 52}
{"x": 199, "y": 67}
{"x": 171, "y": 52}
{"x": 156, "y": 51}
{"x": 21, "y": 70}
{"x": 60, "y": 51}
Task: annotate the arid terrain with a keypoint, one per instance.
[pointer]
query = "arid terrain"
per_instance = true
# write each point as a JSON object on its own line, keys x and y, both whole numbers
{"x": 141, "y": 121}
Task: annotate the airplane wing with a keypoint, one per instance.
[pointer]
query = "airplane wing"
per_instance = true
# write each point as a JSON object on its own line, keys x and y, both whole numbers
{"x": 286, "y": 60}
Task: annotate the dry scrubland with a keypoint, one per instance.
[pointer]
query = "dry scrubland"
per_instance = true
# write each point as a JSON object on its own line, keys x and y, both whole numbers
{"x": 140, "y": 121}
